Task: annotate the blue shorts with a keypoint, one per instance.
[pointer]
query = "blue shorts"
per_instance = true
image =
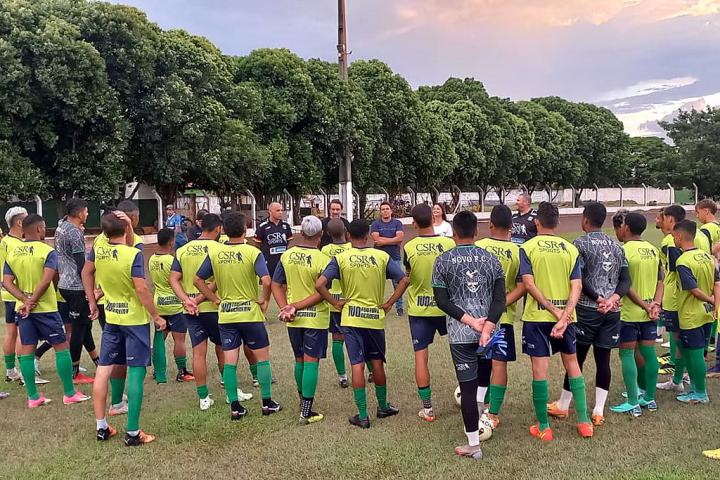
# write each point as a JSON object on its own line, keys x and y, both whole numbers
{"x": 202, "y": 327}
{"x": 510, "y": 351}
{"x": 335, "y": 322}
{"x": 364, "y": 344}
{"x": 670, "y": 321}
{"x": 252, "y": 334}
{"x": 176, "y": 323}
{"x": 308, "y": 341}
{"x": 637, "y": 331}
{"x": 537, "y": 342}
{"x": 422, "y": 330}
{"x": 695, "y": 338}
{"x": 64, "y": 310}
{"x": 41, "y": 326}
{"x": 125, "y": 345}
{"x": 10, "y": 314}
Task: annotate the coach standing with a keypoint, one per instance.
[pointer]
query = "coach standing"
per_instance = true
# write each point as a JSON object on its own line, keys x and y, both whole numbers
{"x": 387, "y": 233}
{"x": 523, "y": 226}
{"x": 273, "y": 236}
{"x": 336, "y": 208}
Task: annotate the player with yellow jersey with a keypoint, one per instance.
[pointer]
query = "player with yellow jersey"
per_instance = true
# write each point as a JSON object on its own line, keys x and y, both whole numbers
{"x": 13, "y": 218}
{"x": 424, "y": 316}
{"x": 705, "y": 211}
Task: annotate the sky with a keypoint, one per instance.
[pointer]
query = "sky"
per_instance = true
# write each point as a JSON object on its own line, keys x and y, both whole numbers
{"x": 643, "y": 59}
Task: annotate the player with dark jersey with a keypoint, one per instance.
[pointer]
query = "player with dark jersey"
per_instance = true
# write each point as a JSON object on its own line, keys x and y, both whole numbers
{"x": 273, "y": 236}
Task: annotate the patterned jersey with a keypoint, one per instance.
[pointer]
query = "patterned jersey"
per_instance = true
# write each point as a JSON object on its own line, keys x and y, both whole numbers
{"x": 601, "y": 259}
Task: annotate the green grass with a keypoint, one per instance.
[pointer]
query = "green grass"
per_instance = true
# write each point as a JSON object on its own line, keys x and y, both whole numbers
{"x": 58, "y": 441}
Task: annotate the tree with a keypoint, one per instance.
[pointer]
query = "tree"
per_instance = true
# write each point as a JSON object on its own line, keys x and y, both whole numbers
{"x": 648, "y": 161}
{"x": 18, "y": 177}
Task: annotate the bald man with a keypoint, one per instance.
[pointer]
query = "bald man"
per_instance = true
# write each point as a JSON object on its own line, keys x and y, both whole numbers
{"x": 273, "y": 236}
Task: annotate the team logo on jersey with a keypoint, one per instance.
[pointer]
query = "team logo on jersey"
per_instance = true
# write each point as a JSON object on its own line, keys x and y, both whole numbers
{"x": 300, "y": 258}
{"x": 276, "y": 238}
{"x": 106, "y": 253}
{"x": 363, "y": 261}
{"x": 426, "y": 248}
{"x": 606, "y": 264}
{"x": 196, "y": 249}
{"x": 473, "y": 280}
{"x": 226, "y": 257}
{"x": 24, "y": 251}
{"x": 553, "y": 246}
{"x": 499, "y": 252}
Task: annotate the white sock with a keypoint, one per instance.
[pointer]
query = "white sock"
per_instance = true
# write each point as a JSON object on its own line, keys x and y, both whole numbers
{"x": 565, "y": 398}
{"x": 473, "y": 438}
{"x": 133, "y": 433}
{"x": 480, "y": 397}
{"x": 101, "y": 424}
{"x": 600, "y": 397}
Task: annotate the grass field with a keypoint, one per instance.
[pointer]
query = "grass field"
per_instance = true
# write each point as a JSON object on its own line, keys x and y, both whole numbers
{"x": 58, "y": 441}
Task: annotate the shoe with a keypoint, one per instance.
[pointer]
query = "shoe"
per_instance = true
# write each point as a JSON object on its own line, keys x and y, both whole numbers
{"x": 238, "y": 413}
{"x": 641, "y": 392}
{"x": 4, "y": 395}
{"x": 273, "y": 380}
{"x": 119, "y": 409}
{"x": 37, "y": 367}
{"x": 140, "y": 439}
{"x": 104, "y": 434}
{"x": 313, "y": 418}
{"x": 651, "y": 405}
{"x": 12, "y": 375}
{"x": 585, "y": 430}
{"x": 82, "y": 369}
{"x": 670, "y": 386}
{"x": 255, "y": 383}
{"x": 714, "y": 454}
{"x": 427, "y": 414}
{"x": 633, "y": 410}
{"x": 343, "y": 382}
{"x": 242, "y": 396}
{"x": 492, "y": 420}
{"x": 665, "y": 345}
{"x": 714, "y": 371}
{"x": 271, "y": 407}
{"x": 667, "y": 370}
{"x": 39, "y": 402}
{"x": 694, "y": 398}
{"x": 664, "y": 360}
{"x": 400, "y": 312}
{"x": 545, "y": 435}
{"x": 554, "y": 410}
{"x": 370, "y": 377}
{"x": 388, "y": 411}
{"x": 184, "y": 376}
{"x": 597, "y": 420}
{"x": 206, "y": 403}
{"x": 474, "y": 452}
{"x": 659, "y": 339}
{"x": 358, "y": 422}
{"x": 82, "y": 379}
{"x": 41, "y": 381}
{"x": 77, "y": 398}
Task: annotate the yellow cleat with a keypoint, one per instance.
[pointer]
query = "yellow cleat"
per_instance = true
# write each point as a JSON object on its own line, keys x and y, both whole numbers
{"x": 554, "y": 410}
{"x": 714, "y": 454}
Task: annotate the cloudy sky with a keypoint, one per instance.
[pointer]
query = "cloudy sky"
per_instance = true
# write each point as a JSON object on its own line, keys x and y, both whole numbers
{"x": 644, "y": 59}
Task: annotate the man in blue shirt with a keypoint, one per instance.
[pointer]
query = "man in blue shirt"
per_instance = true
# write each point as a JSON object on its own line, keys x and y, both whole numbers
{"x": 388, "y": 234}
{"x": 176, "y": 222}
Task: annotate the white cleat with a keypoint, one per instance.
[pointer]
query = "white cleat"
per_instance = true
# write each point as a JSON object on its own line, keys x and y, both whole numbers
{"x": 119, "y": 409}
{"x": 13, "y": 374}
{"x": 206, "y": 403}
{"x": 37, "y": 367}
{"x": 670, "y": 386}
{"x": 242, "y": 396}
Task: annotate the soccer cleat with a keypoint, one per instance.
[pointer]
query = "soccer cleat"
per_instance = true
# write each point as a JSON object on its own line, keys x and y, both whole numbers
{"x": 238, "y": 413}
{"x": 470, "y": 451}
{"x": 4, "y": 395}
{"x": 488, "y": 419}
{"x": 667, "y": 370}
{"x": 641, "y": 392}
{"x": 553, "y": 410}
{"x": 104, "y": 434}
{"x": 714, "y": 454}
{"x": 242, "y": 396}
{"x": 41, "y": 381}
{"x": 370, "y": 377}
{"x": 670, "y": 386}
{"x": 271, "y": 407}
{"x": 313, "y": 418}
{"x": 140, "y": 439}
{"x": 651, "y": 405}
{"x": 358, "y": 422}
{"x": 388, "y": 411}
{"x": 12, "y": 375}
{"x": 633, "y": 410}
{"x": 77, "y": 398}
{"x": 82, "y": 379}
{"x": 544, "y": 435}
{"x": 585, "y": 430}
{"x": 427, "y": 414}
{"x": 597, "y": 420}
{"x": 400, "y": 312}
{"x": 255, "y": 383}
{"x": 343, "y": 382}
{"x": 118, "y": 409}
{"x": 693, "y": 398}
{"x": 37, "y": 366}
{"x": 714, "y": 371}
{"x": 184, "y": 376}
{"x": 39, "y": 402}
{"x": 206, "y": 403}
{"x": 665, "y": 345}
{"x": 664, "y": 360}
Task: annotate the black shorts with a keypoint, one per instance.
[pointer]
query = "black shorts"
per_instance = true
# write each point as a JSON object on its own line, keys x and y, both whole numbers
{"x": 422, "y": 330}
{"x": 466, "y": 361}
{"x": 335, "y": 322}
{"x": 10, "y": 314}
{"x": 202, "y": 327}
{"x": 364, "y": 344}
{"x": 176, "y": 323}
{"x": 637, "y": 331}
{"x": 308, "y": 341}
{"x": 78, "y": 307}
{"x": 64, "y": 311}
{"x": 600, "y": 330}
{"x": 125, "y": 345}
{"x": 537, "y": 342}
{"x": 41, "y": 326}
{"x": 696, "y": 338}
{"x": 252, "y": 334}
{"x": 510, "y": 354}
{"x": 670, "y": 321}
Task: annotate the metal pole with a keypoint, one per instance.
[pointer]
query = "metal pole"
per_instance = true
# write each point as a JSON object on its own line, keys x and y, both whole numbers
{"x": 696, "y": 192}
{"x": 597, "y": 192}
{"x": 645, "y": 191}
{"x": 621, "y": 195}
{"x": 672, "y": 194}
{"x": 253, "y": 206}
{"x": 158, "y": 199}
{"x": 413, "y": 197}
{"x": 38, "y": 205}
{"x": 346, "y": 186}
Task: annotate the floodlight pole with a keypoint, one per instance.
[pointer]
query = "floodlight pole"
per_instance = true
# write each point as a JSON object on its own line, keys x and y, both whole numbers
{"x": 345, "y": 158}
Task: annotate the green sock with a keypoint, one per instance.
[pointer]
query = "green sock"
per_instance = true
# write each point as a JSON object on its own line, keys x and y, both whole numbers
{"x": 577, "y": 387}
{"x": 368, "y": 364}
{"x": 27, "y": 367}
{"x": 230, "y": 377}
{"x": 673, "y": 350}
{"x": 10, "y": 361}
{"x": 641, "y": 375}
{"x": 540, "y": 397}
{"x": 630, "y": 374}
{"x": 381, "y": 394}
{"x": 299, "y": 376}
{"x": 338, "y": 356}
{"x": 136, "y": 383}
{"x": 361, "y": 402}
{"x": 425, "y": 396}
{"x": 697, "y": 369}
{"x": 117, "y": 389}
{"x": 310, "y": 379}
{"x": 651, "y": 370}
{"x": 713, "y": 329}
{"x": 679, "y": 365}
{"x": 63, "y": 363}
{"x": 181, "y": 363}
{"x": 265, "y": 379}
{"x": 159, "y": 358}
{"x": 497, "y": 396}
{"x": 203, "y": 391}
{"x": 253, "y": 370}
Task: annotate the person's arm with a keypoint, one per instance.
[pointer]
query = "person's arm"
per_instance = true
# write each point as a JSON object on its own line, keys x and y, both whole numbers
{"x": 88, "y": 281}
{"x": 689, "y": 283}
{"x": 175, "y": 280}
{"x": 324, "y": 282}
{"x": 49, "y": 272}
{"x": 9, "y": 285}
{"x": 143, "y": 292}
{"x": 529, "y": 281}
{"x": 395, "y": 272}
{"x": 444, "y": 303}
{"x": 375, "y": 234}
{"x": 496, "y": 310}
{"x": 399, "y": 235}
{"x": 516, "y": 293}
{"x": 279, "y": 286}
{"x": 621, "y": 290}
{"x": 204, "y": 272}
{"x": 262, "y": 271}
{"x": 568, "y": 312}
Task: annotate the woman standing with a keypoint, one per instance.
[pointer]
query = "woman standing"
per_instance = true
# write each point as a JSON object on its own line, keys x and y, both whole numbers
{"x": 440, "y": 223}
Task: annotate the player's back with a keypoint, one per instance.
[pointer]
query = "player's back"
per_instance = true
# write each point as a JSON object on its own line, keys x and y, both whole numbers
{"x": 508, "y": 254}
{"x": 420, "y": 255}
{"x": 114, "y": 265}
{"x": 27, "y": 260}
{"x": 692, "y": 311}
{"x": 332, "y": 250}
{"x": 601, "y": 259}
{"x": 190, "y": 257}
{"x": 363, "y": 275}
{"x": 712, "y": 231}
{"x": 6, "y": 244}
{"x": 302, "y": 267}
{"x": 644, "y": 267}
{"x": 165, "y": 299}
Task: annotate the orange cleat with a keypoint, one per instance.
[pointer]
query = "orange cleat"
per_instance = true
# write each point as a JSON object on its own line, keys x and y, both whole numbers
{"x": 598, "y": 420}
{"x": 545, "y": 435}
{"x": 585, "y": 430}
{"x": 554, "y": 411}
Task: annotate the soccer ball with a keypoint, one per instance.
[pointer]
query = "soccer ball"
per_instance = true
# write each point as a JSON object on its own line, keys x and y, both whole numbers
{"x": 456, "y": 395}
{"x": 485, "y": 428}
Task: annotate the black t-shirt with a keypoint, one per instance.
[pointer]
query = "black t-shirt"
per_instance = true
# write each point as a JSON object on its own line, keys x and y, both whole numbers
{"x": 274, "y": 240}
{"x": 326, "y": 240}
{"x": 523, "y": 227}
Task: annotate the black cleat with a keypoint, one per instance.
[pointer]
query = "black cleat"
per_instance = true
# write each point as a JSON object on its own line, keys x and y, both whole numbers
{"x": 370, "y": 377}
{"x": 270, "y": 407}
{"x": 388, "y": 411}
{"x": 343, "y": 382}
{"x": 238, "y": 412}
{"x": 358, "y": 422}
{"x": 104, "y": 434}
{"x": 140, "y": 439}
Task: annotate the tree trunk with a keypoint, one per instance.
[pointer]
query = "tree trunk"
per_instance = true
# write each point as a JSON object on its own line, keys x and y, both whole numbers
{"x": 297, "y": 201}
{"x": 455, "y": 199}
{"x": 433, "y": 196}
{"x": 363, "y": 204}
{"x": 578, "y": 194}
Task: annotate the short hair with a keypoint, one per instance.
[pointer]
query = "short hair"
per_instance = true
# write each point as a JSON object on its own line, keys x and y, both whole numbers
{"x": 112, "y": 226}
{"x": 526, "y": 196}
{"x": 465, "y": 224}
{"x": 128, "y": 207}
{"x": 211, "y": 222}
{"x": 358, "y": 229}
{"x": 619, "y": 218}
{"x": 32, "y": 220}
{"x": 165, "y": 236}
{"x": 709, "y": 204}
{"x": 548, "y": 215}
{"x": 385, "y": 202}
{"x": 74, "y": 206}
{"x": 501, "y": 217}
{"x": 337, "y": 202}
{"x": 11, "y": 216}
{"x": 675, "y": 211}
{"x": 336, "y": 228}
{"x": 636, "y": 222}
{"x": 595, "y": 213}
{"x": 687, "y": 228}
{"x": 422, "y": 215}
{"x": 233, "y": 223}
{"x": 201, "y": 214}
